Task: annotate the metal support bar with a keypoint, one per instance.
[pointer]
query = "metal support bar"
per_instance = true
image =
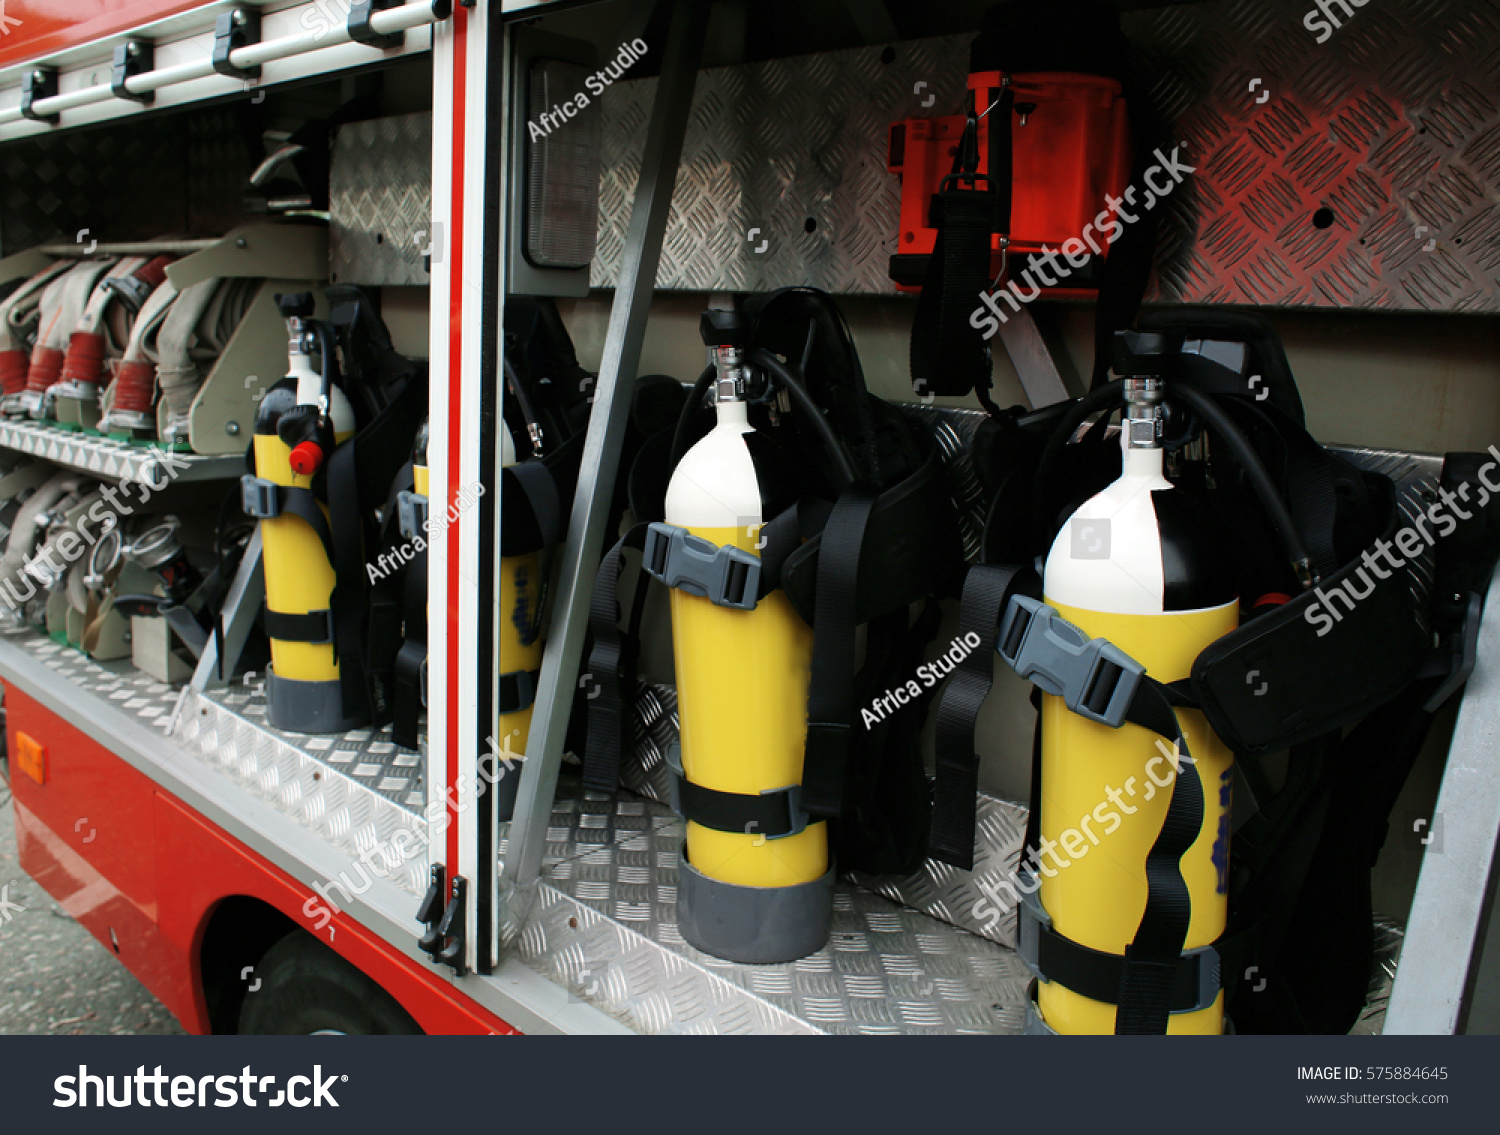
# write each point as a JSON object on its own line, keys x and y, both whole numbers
{"x": 45, "y": 104}
{"x": 606, "y": 434}
{"x": 1033, "y": 362}
{"x": 130, "y": 248}
{"x": 1449, "y": 907}
{"x": 237, "y": 618}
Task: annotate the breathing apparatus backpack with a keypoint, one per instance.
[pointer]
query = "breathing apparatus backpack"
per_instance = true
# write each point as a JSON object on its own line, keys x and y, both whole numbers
{"x": 329, "y": 445}
{"x": 1333, "y": 664}
{"x": 858, "y": 527}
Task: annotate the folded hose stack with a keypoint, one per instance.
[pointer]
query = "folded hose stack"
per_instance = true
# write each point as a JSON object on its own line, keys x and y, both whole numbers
{"x": 98, "y": 345}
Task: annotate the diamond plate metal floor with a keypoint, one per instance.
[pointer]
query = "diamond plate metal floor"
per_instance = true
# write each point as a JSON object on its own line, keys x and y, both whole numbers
{"x": 603, "y": 924}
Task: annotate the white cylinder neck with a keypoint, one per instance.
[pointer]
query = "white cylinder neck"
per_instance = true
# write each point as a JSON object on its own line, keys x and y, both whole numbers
{"x": 734, "y": 415}
{"x": 1141, "y": 465}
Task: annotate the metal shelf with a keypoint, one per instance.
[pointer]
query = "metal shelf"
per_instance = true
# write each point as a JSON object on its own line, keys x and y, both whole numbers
{"x": 110, "y": 459}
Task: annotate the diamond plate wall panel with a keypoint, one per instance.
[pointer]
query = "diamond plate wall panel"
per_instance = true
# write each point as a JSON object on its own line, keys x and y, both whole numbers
{"x": 355, "y": 791}
{"x": 136, "y": 179}
{"x": 793, "y": 148}
{"x": 344, "y": 789}
{"x": 380, "y": 202}
{"x": 1392, "y": 126}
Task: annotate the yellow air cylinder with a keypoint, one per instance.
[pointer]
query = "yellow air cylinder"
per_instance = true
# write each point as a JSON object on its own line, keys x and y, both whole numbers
{"x": 742, "y": 681}
{"x": 304, "y": 695}
{"x": 520, "y": 638}
{"x": 1120, "y": 570}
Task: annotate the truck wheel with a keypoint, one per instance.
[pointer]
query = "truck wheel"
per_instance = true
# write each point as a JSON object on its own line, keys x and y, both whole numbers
{"x": 305, "y": 988}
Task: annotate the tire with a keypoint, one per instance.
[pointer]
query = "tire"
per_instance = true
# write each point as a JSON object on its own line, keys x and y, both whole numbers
{"x": 306, "y": 988}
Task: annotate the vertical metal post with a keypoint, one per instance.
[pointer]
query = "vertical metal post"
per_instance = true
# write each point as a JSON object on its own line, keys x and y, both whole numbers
{"x": 1449, "y": 907}
{"x": 607, "y": 423}
{"x": 237, "y": 618}
{"x": 1033, "y": 362}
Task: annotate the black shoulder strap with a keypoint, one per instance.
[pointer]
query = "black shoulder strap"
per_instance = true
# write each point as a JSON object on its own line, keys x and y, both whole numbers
{"x": 611, "y": 668}
{"x": 948, "y": 353}
{"x": 987, "y": 591}
{"x": 830, "y": 693}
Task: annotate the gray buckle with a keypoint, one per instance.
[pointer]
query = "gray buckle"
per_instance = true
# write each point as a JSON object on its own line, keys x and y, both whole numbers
{"x": 1095, "y": 678}
{"x": 1033, "y": 919}
{"x": 260, "y": 497}
{"x": 724, "y": 575}
{"x": 1029, "y": 922}
{"x": 422, "y": 680}
{"x": 411, "y": 513}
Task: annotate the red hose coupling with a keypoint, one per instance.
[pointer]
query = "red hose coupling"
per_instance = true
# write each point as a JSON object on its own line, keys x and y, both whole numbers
{"x": 46, "y": 368}
{"x": 84, "y": 361}
{"x": 154, "y": 272}
{"x": 13, "y": 367}
{"x": 306, "y": 457}
{"x": 134, "y": 386}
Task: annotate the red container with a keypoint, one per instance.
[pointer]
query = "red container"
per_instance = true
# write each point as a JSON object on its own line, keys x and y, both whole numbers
{"x": 1073, "y": 148}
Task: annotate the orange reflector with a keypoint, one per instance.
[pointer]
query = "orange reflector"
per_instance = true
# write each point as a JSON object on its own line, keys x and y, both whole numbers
{"x": 31, "y": 757}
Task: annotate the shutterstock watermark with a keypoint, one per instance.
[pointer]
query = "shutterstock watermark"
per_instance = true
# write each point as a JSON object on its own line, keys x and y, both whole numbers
{"x": 1410, "y": 543}
{"x": 409, "y": 842}
{"x": 71, "y": 544}
{"x": 1098, "y": 234}
{"x": 8, "y": 909}
{"x": 1073, "y": 843}
{"x": 1321, "y": 20}
{"x": 189, "y": 1091}
{"x": 403, "y": 553}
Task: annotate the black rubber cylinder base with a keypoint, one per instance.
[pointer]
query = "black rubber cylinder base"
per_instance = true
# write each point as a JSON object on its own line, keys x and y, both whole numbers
{"x": 759, "y": 925}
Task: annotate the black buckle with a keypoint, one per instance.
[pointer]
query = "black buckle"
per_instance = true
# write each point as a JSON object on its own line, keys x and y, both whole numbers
{"x": 517, "y": 690}
{"x": 38, "y": 83}
{"x": 234, "y": 30}
{"x": 133, "y": 58}
{"x": 360, "y": 30}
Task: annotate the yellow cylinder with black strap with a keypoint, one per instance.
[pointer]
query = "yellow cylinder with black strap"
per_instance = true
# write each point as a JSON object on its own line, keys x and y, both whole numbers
{"x": 755, "y": 883}
{"x": 1134, "y": 566}
{"x": 304, "y": 694}
{"x": 520, "y": 650}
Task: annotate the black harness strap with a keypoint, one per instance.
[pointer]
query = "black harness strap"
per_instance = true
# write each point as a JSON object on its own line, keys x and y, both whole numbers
{"x": 533, "y": 516}
{"x": 987, "y": 591}
{"x": 1149, "y": 974}
{"x": 518, "y": 690}
{"x": 610, "y": 664}
{"x": 313, "y": 627}
{"x": 407, "y": 698}
{"x": 769, "y": 815}
{"x": 349, "y": 592}
{"x": 948, "y": 353}
{"x": 830, "y": 696}
{"x": 303, "y": 504}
